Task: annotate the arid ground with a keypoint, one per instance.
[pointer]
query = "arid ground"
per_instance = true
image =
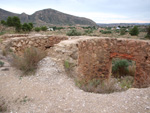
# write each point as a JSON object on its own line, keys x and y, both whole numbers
{"x": 50, "y": 90}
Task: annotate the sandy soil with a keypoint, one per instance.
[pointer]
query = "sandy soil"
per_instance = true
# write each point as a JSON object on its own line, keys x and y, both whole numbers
{"x": 50, "y": 90}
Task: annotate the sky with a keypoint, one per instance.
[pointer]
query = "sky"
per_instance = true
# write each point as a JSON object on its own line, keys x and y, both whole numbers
{"x": 100, "y": 11}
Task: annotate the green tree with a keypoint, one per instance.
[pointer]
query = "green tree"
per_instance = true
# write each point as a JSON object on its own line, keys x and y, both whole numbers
{"x": 16, "y": 23}
{"x": 9, "y": 21}
{"x": 134, "y": 31}
{"x": 26, "y": 27}
{"x": 31, "y": 24}
{"x": 3, "y": 22}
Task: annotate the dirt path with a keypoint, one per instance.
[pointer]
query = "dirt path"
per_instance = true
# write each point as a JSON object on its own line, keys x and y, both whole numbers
{"x": 51, "y": 91}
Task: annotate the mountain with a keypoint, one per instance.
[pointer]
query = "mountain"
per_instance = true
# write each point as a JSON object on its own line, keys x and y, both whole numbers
{"x": 48, "y": 17}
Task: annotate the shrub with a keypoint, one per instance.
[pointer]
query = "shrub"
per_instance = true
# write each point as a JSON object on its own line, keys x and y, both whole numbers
{"x": 117, "y": 31}
{"x": 3, "y": 22}
{"x": 88, "y": 31}
{"x": 132, "y": 69}
{"x": 148, "y": 33}
{"x": 2, "y": 33}
{"x": 6, "y": 50}
{"x": 122, "y": 31}
{"x": 1, "y": 64}
{"x": 71, "y": 27}
{"x": 126, "y": 82}
{"x": 106, "y": 32}
{"x": 69, "y": 68}
{"x": 43, "y": 28}
{"x": 59, "y": 28}
{"x": 108, "y": 28}
{"x": 97, "y": 85}
{"x": 73, "y": 32}
{"x": 120, "y": 67}
{"x": 1, "y": 40}
{"x": 101, "y": 31}
{"x": 26, "y": 27}
{"x": 31, "y": 25}
{"x": 134, "y": 31}
{"x": 28, "y": 62}
{"x": 3, "y": 107}
{"x": 66, "y": 64}
{"x": 37, "y": 29}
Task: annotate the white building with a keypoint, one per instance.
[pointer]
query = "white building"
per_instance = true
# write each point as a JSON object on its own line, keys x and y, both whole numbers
{"x": 50, "y": 29}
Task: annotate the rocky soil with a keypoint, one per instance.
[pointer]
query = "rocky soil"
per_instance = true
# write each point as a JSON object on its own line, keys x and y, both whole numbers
{"x": 50, "y": 90}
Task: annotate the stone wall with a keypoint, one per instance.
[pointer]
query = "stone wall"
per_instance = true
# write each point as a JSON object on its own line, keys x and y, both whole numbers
{"x": 95, "y": 58}
{"x": 94, "y": 54}
{"x": 19, "y": 43}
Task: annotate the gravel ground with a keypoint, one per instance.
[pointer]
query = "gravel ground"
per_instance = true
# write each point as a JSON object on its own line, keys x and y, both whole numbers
{"x": 51, "y": 91}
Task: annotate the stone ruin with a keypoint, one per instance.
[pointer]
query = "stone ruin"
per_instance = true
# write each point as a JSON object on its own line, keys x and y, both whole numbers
{"x": 18, "y": 43}
{"x": 93, "y": 56}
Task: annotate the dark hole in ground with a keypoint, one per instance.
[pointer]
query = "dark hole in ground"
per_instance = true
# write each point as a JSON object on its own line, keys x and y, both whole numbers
{"x": 47, "y": 47}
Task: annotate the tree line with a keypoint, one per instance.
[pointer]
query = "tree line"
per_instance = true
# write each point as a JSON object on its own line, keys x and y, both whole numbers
{"x": 15, "y": 22}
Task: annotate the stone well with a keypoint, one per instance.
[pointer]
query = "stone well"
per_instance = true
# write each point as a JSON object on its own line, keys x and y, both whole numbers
{"x": 95, "y": 58}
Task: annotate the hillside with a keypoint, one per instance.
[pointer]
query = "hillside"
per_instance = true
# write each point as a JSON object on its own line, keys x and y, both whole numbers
{"x": 48, "y": 17}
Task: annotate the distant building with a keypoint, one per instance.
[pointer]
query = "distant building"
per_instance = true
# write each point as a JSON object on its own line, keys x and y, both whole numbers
{"x": 50, "y": 29}
{"x": 127, "y": 30}
{"x": 118, "y": 28}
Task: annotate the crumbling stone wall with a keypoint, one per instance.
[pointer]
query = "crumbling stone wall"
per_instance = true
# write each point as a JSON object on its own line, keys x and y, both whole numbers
{"x": 18, "y": 43}
{"x": 95, "y": 57}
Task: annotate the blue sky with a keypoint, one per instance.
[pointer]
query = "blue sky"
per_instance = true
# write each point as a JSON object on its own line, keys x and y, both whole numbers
{"x": 101, "y": 11}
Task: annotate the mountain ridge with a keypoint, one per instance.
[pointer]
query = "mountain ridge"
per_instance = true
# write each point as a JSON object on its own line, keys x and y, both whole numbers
{"x": 48, "y": 17}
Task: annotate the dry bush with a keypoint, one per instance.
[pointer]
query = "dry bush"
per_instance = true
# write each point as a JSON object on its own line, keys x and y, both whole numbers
{"x": 6, "y": 51}
{"x": 28, "y": 62}
{"x": 108, "y": 86}
{"x": 132, "y": 69}
{"x": 105, "y": 86}
{"x": 97, "y": 85}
